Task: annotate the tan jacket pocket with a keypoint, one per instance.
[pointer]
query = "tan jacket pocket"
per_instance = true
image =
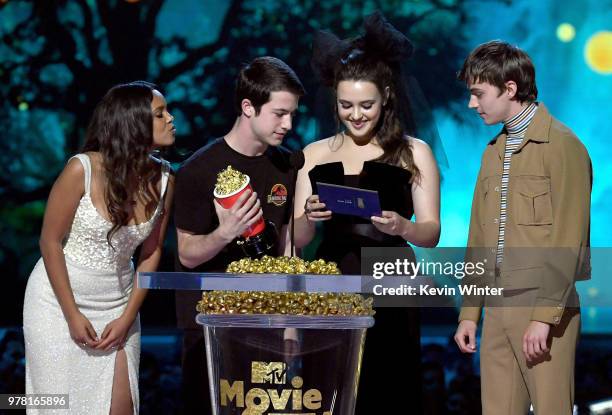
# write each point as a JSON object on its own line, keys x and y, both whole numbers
{"x": 533, "y": 203}
{"x": 522, "y": 278}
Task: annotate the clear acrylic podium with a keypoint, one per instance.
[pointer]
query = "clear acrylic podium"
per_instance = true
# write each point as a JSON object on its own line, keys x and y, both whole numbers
{"x": 275, "y": 363}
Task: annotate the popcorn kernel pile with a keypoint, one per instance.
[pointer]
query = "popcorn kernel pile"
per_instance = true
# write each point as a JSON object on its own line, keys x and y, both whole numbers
{"x": 229, "y": 180}
{"x": 282, "y": 265}
{"x": 293, "y": 303}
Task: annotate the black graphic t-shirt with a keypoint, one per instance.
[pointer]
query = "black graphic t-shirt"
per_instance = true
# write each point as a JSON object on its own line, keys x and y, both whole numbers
{"x": 194, "y": 211}
{"x": 271, "y": 177}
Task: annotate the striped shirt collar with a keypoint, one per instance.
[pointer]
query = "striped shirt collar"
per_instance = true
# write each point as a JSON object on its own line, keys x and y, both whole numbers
{"x": 517, "y": 125}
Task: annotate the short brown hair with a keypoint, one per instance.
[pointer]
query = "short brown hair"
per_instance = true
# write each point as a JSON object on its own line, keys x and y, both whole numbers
{"x": 498, "y": 62}
{"x": 262, "y": 76}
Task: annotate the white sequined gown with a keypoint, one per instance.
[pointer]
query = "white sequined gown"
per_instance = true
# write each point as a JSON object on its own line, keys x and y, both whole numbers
{"x": 101, "y": 279}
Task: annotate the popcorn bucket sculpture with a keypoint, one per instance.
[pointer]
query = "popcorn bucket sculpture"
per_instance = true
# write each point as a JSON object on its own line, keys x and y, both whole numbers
{"x": 228, "y": 195}
{"x": 258, "y": 239}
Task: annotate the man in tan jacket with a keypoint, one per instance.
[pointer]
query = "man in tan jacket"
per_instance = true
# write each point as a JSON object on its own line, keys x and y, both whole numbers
{"x": 530, "y": 224}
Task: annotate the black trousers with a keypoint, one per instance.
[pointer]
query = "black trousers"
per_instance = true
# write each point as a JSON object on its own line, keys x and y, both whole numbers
{"x": 391, "y": 379}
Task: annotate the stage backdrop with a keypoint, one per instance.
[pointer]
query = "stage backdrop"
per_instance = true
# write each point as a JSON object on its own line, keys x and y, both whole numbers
{"x": 58, "y": 58}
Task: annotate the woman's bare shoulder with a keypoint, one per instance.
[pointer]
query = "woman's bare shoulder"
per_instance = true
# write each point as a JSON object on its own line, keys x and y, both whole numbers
{"x": 74, "y": 169}
{"x": 421, "y": 151}
{"x": 317, "y": 150}
{"x": 72, "y": 178}
{"x": 419, "y": 145}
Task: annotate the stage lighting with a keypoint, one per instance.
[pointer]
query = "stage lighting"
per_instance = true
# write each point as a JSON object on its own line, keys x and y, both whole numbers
{"x": 598, "y": 52}
{"x": 601, "y": 407}
{"x": 566, "y": 32}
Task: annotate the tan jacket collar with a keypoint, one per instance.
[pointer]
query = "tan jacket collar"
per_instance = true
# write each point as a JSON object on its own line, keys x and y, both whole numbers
{"x": 538, "y": 131}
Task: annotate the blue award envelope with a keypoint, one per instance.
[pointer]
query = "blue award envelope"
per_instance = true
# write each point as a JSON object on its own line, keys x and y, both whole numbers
{"x": 349, "y": 200}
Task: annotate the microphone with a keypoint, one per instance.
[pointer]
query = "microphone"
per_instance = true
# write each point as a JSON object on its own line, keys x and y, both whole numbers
{"x": 296, "y": 161}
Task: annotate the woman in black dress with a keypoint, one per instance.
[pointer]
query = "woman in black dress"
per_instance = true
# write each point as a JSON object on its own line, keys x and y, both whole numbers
{"x": 375, "y": 150}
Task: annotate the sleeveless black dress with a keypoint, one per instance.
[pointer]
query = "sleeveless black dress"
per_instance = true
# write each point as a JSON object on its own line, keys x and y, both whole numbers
{"x": 390, "y": 381}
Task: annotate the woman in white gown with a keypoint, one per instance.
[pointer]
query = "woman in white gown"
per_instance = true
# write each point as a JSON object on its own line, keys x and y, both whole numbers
{"x": 80, "y": 315}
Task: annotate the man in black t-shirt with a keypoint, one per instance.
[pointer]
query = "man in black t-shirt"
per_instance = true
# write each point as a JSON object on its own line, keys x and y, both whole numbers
{"x": 267, "y": 94}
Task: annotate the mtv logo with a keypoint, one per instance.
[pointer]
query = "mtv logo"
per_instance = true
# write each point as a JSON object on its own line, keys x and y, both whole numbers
{"x": 274, "y": 373}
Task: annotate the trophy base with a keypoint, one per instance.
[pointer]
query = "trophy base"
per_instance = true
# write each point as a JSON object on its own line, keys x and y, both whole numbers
{"x": 264, "y": 243}
{"x": 272, "y": 356}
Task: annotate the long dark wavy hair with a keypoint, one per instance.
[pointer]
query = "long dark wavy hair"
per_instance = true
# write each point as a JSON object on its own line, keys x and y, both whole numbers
{"x": 391, "y": 135}
{"x": 121, "y": 130}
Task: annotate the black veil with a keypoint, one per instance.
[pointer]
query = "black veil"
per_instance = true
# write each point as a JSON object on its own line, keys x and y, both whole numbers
{"x": 381, "y": 41}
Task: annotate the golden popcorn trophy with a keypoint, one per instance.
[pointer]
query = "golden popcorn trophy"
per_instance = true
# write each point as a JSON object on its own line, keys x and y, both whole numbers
{"x": 260, "y": 238}
{"x": 283, "y": 335}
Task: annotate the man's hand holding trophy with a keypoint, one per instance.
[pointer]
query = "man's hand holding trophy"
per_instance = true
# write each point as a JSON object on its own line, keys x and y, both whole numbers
{"x": 259, "y": 236}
